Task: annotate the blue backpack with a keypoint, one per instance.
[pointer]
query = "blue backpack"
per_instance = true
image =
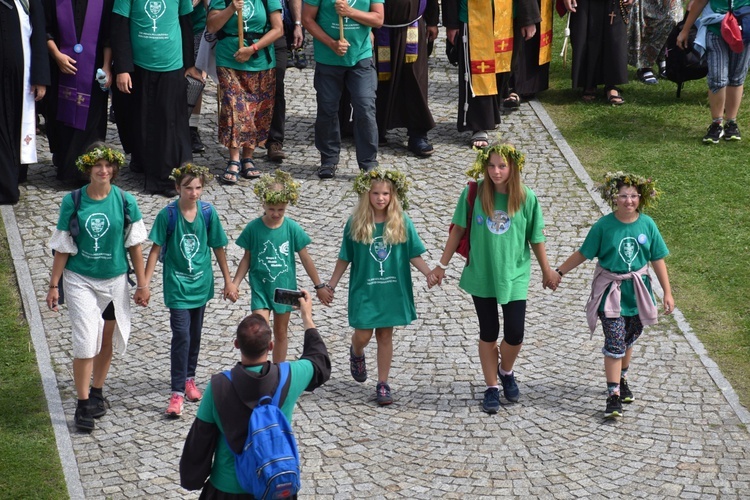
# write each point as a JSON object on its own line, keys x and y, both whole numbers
{"x": 205, "y": 208}
{"x": 268, "y": 466}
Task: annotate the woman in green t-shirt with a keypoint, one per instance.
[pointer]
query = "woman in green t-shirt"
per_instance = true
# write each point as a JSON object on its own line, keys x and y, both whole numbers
{"x": 505, "y": 222}
{"x": 247, "y": 77}
{"x": 96, "y": 224}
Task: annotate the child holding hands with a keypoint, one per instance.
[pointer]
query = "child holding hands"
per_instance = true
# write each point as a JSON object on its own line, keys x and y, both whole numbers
{"x": 182, "y": 234}
{"x": 624, "y": 242}
{"x": 507, "y": 223}
{"x": 270, "y": 242}
{"x": 380, "y": 242}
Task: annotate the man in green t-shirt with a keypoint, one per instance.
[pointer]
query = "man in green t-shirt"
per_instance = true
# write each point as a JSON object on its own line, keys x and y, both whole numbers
{"x": 344, "y": 60}
{"x": 223, "y": 415}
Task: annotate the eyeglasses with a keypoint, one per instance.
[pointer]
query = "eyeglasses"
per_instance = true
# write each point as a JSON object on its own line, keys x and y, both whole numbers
{"x": 626, "y": 197}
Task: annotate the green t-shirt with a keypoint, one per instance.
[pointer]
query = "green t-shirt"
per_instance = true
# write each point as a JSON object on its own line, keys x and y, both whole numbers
{"x": 187, "y": 269}
{"x": 380, "y": 284}
{"x": 358, "y": 35}
{"x": 256, "y": 21}
{"x": 155, "y": 31}
{"x": 101, "y": 241}
{"x": 272, "y": 260}
{"x": 223, "y": 475}
{"x": 500, "y": 254}
{"x": 623, "y": 248}
{"x": 198, "y": 18}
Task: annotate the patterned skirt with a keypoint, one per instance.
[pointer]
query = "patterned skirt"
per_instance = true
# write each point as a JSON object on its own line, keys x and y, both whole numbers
{"x": 247, "y": 99}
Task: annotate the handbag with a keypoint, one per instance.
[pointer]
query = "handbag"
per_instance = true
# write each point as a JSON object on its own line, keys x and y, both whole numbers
{"x": 731, "y": 32}
{"x": 194, "y": 89}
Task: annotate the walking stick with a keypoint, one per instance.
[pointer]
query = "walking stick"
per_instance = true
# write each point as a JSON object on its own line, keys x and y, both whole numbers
{"x": 240, "y": 30}
{"x": 341, "y": 27}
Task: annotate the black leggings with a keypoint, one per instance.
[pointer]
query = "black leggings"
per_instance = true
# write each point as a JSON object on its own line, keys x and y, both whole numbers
{"x": 514, "y": 317}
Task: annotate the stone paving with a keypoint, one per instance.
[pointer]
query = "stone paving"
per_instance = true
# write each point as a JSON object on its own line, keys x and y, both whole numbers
{"x": 684, "y": 436}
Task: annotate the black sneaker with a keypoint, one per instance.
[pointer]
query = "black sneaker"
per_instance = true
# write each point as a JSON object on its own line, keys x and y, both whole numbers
{"x": 300, "y": 60}
{"x": 195, "y": 140}
{"x": 383, "y": 394}
{"x": 83, "y": 419}
{"x": 626, "y": 396}
{"x": 97, "y": 405}
{"x": 614, "y": 406}
{"x": 491, "y": 401}
{"x": 290, "y": 59}
{"x": 357, "y": 366}
{"x": 510, "y": 388}
{"x": 714, "y": 133}
{"x": 732, "y": 132}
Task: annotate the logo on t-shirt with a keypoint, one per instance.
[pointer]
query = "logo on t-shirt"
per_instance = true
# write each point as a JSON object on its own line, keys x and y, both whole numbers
{"x": 189, "y": 246}
{"x": 380, "y": 251}
{"x": 248, "y": 11}
{"x": 499, "y": 222}
{"x": 628, "y": 250}
{"x": 271, "y": 259}
{"x": 154, "y": 10}
{"x": 97, "y": 226}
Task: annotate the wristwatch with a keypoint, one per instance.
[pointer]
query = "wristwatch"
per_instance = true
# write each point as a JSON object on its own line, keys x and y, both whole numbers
{"x": 441, "y": 265}
{"x": 319, "y": 286}
{"x": 298, "y": 23}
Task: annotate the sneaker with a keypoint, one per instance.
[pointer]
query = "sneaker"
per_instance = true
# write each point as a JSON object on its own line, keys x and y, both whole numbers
{"x": 327, "y": 171}
{"x": 614, "y": 406}
{"x": 510, "y": 388}
{"x": 383, "y": 393}
{"x": 714, "y": 133}
{"x": 625, "y": 395}
{"x": 84, "y": 420}
{"x": 97, "y": 405}
{"x": 732, "y": 132}
{"x": 300, "y": 60}
{"x": 420, "y": 146}
{"x": 290, "y": 59}
{"x": 174, "y": 409}
{"x": 191, "y": 391}
{"x": 357, "y": 366}
{"x": 491, "y": 401}
{"x": 195, "y": 140}
{"x": 275, "y": 152}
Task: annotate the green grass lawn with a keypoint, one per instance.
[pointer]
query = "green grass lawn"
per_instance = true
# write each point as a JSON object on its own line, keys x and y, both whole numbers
{"x": 29, "y": 462}
{"x": 703, "y": 214}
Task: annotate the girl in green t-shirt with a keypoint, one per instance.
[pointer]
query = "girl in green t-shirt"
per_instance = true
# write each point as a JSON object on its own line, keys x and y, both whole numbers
{"x": 270, "y": 243}
{"x": 380, "y": 242}
{"x": 624, "y": 243}
{"x": 505, "y": 224}
{"x": 184, "y": 231}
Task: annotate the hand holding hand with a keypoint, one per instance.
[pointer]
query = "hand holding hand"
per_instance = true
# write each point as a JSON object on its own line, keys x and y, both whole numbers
{"x": 325, "y": 295}
{"x": 551, "y": 279}
{"x": 142, "y": 296}
{"x": 231, "y": 292}
{"x": 435, "y": 277}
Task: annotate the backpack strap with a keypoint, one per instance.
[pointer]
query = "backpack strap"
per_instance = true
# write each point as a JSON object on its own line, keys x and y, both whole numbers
{"x": 207, "y": 210}
{"x": 126, "y": 213}
{"x": 471, "y": 199}
{"x": 283, "y": 375}
{"x": 73, "y": 226}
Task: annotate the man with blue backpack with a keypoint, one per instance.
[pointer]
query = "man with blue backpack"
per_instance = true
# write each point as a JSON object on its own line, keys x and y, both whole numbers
{"x": 240, "y": 444}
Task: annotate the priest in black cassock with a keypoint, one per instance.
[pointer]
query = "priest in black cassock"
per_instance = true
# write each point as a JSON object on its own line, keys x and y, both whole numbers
{"x": 24, "y": 75}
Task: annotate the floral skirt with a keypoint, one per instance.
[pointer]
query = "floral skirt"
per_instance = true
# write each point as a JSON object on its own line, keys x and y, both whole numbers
{"x": 247, "y": 99}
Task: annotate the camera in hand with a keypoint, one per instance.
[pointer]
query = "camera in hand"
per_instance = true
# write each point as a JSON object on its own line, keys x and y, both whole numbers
{"x": 288, "y": 297}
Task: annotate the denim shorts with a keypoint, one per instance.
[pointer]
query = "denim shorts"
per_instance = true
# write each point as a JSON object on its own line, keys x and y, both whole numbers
{"x": 725, "y": 68}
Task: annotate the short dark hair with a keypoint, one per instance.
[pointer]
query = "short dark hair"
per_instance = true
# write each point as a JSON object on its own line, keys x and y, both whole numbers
{"x": 253, "y": 336}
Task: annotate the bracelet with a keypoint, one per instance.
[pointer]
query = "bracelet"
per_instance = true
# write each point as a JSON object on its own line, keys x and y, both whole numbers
{"x": 52, "y": 286}
{"x": 319, "y": 286}
{"x": 255, "y": 47}
{"x": 441, "y": 265}
{"x": 141, "y": 287}
{"x": 330, "y": 287}
{"x": 559, "y": 272}
{"x": 298, "y": 23}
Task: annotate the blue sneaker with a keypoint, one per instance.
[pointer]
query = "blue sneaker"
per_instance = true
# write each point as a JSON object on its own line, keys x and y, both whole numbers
{"x": 510, "y": 388}
{"x": 491, "y": 402}
{"x": 357, "y": 366}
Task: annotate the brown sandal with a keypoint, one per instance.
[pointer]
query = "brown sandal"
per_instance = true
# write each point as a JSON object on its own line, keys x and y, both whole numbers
{"x": 614, "y": 97}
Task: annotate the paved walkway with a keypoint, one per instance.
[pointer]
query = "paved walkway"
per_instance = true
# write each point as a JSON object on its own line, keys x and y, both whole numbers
{"x": 684, "y": 436}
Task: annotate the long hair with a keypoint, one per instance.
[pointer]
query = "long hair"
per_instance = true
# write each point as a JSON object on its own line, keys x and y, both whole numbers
{"x": 363, "y": 219}
{"x": 516, "y": 192}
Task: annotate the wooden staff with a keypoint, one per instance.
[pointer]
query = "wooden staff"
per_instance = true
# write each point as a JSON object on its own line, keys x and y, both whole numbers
{"x": 341, "y": 27}
{"x": 240, "y": 30}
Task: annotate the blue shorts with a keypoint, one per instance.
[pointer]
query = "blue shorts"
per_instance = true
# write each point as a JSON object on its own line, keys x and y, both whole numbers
{"x": 725, "y": 68}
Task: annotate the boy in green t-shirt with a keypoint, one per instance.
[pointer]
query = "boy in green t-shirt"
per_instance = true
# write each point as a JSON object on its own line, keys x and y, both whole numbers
{"x": 624, "y": 242}
{"x": 188, "y": 228}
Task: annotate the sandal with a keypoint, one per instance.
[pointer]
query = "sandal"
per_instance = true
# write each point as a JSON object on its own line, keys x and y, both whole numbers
{"x": 479, "y": 139}
{"x": 589, "y": 95}
{"x": 513, "y": 101}
{"x": 249, "y": 172}
{"x": 645, "y": 75}
{"x": 327, "y": 171}
{"x": 234, "y": 175}
{"x": 614, "y": 97}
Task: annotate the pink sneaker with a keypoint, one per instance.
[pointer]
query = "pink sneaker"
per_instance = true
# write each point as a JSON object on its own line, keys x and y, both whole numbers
{"x": 191, "y": 391}
{"x": 174, "y": 409}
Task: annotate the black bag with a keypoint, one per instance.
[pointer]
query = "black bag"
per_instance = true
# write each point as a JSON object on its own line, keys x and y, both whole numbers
{"x": 683, "y": 65}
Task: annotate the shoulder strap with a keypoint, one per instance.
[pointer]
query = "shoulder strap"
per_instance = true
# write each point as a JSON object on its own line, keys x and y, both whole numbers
{"x": 207, "y": 210}
{"x": 283, "y": 375}
{"x": 125, "y": 212}
{"x": 472, "y": 198}
{"x": 73, "y": 226}
{"x": 171, "y": 218}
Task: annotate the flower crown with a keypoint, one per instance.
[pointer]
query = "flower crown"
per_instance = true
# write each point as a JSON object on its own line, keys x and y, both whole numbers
{"x": 289, "y": 192}
{"x": 363, "y": 183}
{"x": 483, "y": 155}
{"x": 190, "y": 169}
{"x": 646, "y": 188}
{"x": 89, "y": 159}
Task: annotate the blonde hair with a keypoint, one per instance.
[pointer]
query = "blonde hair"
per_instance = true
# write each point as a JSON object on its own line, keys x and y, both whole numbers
{"x": 363, "y": 219}
{"x": 516, "y": 192}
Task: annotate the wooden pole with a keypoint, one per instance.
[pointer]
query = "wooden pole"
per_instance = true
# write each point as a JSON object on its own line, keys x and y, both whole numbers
{"x": 341, "y": 27}
{"x": 240, "y": 30}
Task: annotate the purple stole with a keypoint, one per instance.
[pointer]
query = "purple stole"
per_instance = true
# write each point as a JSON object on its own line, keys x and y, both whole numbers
{"x": 383, "y": 44}
{"x": 74, "y": 91}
